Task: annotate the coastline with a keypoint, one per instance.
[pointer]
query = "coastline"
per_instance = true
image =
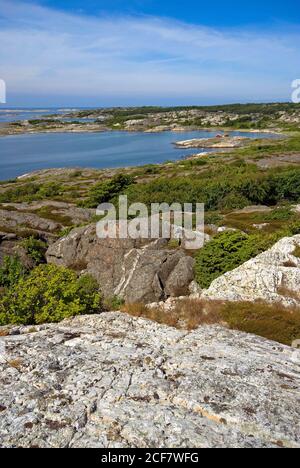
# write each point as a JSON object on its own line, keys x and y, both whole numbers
{"x": 6, "y": 130}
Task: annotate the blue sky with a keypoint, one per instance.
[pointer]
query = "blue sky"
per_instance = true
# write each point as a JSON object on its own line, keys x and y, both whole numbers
{"x": 210, "y": 13}
{"x": 112, "y": 52}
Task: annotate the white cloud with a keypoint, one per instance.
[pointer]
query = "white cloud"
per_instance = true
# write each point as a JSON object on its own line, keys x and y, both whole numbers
{"x": 43, "y": 51}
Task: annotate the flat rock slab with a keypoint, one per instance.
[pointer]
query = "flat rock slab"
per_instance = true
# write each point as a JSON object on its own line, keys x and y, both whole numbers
{"x": 277, "y": 161}
{"x": 116, "y": 381}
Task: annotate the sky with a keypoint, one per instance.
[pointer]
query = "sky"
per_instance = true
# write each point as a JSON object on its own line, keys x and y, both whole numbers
{"x": 148, "y": 52}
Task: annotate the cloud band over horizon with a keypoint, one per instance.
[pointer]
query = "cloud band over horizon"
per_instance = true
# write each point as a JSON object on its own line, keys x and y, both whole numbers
{"x": 53, "y": 57}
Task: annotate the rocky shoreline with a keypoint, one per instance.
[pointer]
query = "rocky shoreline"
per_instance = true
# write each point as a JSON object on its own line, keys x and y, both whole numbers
{"x": 219, "y": 142}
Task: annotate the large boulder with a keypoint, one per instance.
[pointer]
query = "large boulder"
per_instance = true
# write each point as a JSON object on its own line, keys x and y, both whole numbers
{"x": 138, "y": 270}
{"x": 273, "y": 276}
{"x": 113, "y": 381}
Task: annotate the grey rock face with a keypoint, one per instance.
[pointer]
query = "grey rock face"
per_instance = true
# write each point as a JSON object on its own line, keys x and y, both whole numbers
{"x": 137, "y": 270}
{"x": 74, "y": 214}
{"x": 17, "y": 219}
{"x": 273, "y": 276}
{"x": 115, "y": 381}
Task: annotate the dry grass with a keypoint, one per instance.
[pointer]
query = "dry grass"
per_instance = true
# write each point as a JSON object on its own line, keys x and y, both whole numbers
{"x": 288, "y": 293}
{"x": 187, "y": 314}
{"x": 272, "y": 321}
{"x": 4, "y": 332}
{"x": 15, "y": 363}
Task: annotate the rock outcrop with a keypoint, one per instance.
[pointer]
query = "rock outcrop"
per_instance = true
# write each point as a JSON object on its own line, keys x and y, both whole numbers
{"x": 55, "y": 209}
{"x": 273, "y": 276}
{"x": 115, "y": 381}
{"x": 17, "y": 219}
{"x": 135, "y": 269}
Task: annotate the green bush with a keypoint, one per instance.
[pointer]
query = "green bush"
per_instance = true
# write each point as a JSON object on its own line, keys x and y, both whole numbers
{"x": 221, "y": 187}
{"x": 49, "y": 294}
{"x": 106, "y": 191}
{"x": 31, "y": 191}
{"x": 113, "y": 303}
{"x": 226, "y": 252}
{"x": 233, "y": 201}
{"x": 11, "y": 271}
{"x": 35, "y": 248}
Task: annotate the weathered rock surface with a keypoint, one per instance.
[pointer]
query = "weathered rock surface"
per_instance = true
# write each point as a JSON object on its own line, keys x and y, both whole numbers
{"x": 273, "y": 276}
{"x": 116, "y": 381}
{"x": 19, "y": 220}
{"x": 69, "y": 211}
{"x": 135, "y": 269}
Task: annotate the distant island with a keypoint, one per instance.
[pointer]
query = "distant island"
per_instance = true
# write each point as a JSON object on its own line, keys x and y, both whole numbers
{"x": 270, "y": 117}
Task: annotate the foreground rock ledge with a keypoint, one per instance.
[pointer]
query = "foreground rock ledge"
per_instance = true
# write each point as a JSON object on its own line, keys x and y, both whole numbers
{"x": 116, "y": 381}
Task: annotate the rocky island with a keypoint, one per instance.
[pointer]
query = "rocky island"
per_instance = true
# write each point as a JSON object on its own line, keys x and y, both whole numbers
{"x": 253, "y": 117}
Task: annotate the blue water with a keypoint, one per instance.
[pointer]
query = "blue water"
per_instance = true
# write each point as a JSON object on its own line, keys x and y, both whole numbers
{"x": 22, "y": 154}
{"x": 13, "y": 115}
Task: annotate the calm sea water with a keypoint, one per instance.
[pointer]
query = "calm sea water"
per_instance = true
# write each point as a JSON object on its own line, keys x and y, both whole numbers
{"x": 22, "y": 154}
{"x": 13, "y": 115}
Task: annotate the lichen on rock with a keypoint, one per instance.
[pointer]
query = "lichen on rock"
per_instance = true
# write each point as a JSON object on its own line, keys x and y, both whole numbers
{"x": 115, "y": 381}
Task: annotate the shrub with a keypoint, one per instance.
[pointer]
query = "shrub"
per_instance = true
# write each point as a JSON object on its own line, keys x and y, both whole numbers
{"x": 19, "y": 194}
{"x": 233, "y": 201}
{"x": 113, "y": 303}
{"x": 222, "y": 187}
{"x": 30, "y": 191}
{"x": 279, "y": 214}
{"x": 106, "y": 191}
{"x": 49, "y": 190}
{"x": 11, "y": 271}
{"x": 35, "y": 248}
{"x": 49, "y": 294}
{"x": 226, "y": 252}
{"x": 293, "y": 228}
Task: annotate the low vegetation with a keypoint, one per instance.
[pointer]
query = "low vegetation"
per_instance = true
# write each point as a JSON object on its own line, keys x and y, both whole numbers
{"x": 106, "y": 191}
{"x": 271, "y": 321}
{"x": 221, "y": 187}
{"x": 227, "y": 251}
{"x": 187, "y": 314}
{"x": 35, "y": 248}
{"x": 49, "y": 294}
{"x": 11, "y": 271}
{"x": 31, "y": 191}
